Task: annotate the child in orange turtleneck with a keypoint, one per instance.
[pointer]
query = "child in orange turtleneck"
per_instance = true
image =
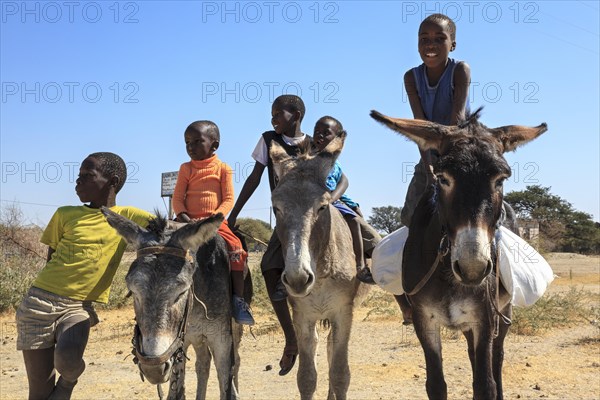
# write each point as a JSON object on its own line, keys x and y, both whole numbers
{"x": 205, "y": 187}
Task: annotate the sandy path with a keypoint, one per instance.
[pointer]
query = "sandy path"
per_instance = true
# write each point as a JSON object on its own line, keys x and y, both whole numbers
{"x": 385, "y": 357}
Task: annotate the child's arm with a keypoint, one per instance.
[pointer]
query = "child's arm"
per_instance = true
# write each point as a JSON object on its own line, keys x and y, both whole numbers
{"x": 248, "y": 189}
{"x": 179, "y": 194}
{"x": 340, "y": 189}
{"x": 226, "y": 190}
{"x": 413, "y": 96}
{"x": 462, "y": 80}
{"x": 417, "y": 110}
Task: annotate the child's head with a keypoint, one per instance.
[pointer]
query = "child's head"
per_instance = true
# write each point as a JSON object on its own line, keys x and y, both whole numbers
{"x": 202, "y": 139}
{"x": 326, "y": 129}
{"x": 437, "y": 38}
{"x": 101, "y": 177}
{"x": 286, "y": 115}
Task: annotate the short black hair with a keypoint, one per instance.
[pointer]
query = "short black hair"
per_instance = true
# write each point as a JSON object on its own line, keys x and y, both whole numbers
{"x": 111, "y": 165}
{"x": 211, "y": 128}
{"x": 291, "y": 102}
{"x": 336, "y": 122}
{"x": 439, "y": 18}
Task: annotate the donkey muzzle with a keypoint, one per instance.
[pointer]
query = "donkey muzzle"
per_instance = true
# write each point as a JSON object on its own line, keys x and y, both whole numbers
{"x": 156, "y": 374}
{"x": 298, "y": 282}
{"x": 471, "y": 256}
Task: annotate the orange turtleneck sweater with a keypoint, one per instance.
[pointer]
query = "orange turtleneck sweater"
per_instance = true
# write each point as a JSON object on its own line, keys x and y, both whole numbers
{"x": 203, "y": 188}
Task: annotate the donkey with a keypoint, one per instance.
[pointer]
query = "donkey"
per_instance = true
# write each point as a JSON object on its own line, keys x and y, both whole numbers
{"x": 320, "y": 267}
{"x": 450, "y": 268}
{"x": 181, "y": 299}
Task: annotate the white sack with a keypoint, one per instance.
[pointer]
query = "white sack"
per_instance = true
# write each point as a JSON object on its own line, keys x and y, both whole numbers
{"x": 387, "y": 261}
{"x": 523, "y": 271}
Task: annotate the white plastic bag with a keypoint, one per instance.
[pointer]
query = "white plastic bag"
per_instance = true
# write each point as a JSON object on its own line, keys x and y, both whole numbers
{"x": 523, "y": 271}
{"x": 387, "y": 261}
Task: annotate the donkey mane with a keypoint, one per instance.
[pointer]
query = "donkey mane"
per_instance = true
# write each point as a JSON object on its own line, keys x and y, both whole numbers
{"x": 158, "y": 225}
{"x": 471, "y": 119}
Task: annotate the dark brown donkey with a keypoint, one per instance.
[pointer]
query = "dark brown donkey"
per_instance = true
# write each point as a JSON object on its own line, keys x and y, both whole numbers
{"x": 449, "y": 264}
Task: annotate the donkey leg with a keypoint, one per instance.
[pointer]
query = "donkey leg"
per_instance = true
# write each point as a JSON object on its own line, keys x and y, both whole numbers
{"x": 307, "y": 348}
{"x": 428, "y": 332}
{"x": 238, "y": 331}
{"x": 484, "y": 386}
{"x": 471, "y": 348}
{"x": 221, "y": 346}
{"x": 337, "y": 349}
{"x": 498, "y": 353}
{"x": 203, "y": 359}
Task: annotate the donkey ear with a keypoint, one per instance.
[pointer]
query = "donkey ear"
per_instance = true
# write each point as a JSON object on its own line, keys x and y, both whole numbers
{"x": 336, "y": 145}
{"x": 329, "y": 154}
{"x": 427, "y": 135}
{"x": 513, "y": 136}
{"x": 194, "y": 235}
{"x": 282, "y": 161}
{"x": 134, "y": 234}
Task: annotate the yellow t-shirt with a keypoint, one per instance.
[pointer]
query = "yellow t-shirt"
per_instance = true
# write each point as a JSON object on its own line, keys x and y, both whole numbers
{"x": 87, "y": 253}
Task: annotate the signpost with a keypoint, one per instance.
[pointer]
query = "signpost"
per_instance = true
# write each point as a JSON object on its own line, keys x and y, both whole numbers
{"x": 167, "y": 187}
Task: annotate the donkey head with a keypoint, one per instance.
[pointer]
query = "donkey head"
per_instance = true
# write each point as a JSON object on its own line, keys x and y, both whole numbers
{"x": 470, "y": 172}
{"x": 160, "y": 279}
{"x": 301, "y": 205}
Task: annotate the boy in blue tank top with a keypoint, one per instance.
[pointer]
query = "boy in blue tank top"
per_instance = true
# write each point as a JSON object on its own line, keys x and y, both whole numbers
{"x": 438, "y": 92}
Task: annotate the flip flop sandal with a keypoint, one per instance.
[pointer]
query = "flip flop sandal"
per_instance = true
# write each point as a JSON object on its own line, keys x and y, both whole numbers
{"x": 288, "y": 360}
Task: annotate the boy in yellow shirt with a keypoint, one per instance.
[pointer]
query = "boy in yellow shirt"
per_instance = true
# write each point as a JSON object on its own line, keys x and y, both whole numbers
{"x": 84, "y": 252}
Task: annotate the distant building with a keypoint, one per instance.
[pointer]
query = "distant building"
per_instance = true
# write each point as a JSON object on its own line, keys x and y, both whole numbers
{"x": 530, "y": 231}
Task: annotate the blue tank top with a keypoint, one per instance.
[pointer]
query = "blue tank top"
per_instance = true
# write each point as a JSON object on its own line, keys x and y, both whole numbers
{"x": 436, "y": 101}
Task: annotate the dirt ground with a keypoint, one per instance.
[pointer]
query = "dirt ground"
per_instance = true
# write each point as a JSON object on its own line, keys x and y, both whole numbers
{"x": 386, "y": 360}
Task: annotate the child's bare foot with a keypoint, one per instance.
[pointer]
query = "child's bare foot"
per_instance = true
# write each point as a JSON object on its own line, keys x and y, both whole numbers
{"x": 288, "y": 359}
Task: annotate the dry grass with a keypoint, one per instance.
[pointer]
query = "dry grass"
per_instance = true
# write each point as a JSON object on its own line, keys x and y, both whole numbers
{"x": 565, "y": 308}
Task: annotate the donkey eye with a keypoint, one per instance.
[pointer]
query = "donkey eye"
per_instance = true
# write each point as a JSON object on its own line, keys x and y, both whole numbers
{"x": 443, "y": 180}
{"x": 499, "y": 183}
{"x": 323, "y": 206}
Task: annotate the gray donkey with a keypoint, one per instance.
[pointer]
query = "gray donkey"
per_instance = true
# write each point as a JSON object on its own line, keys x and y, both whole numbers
{"x": 181, "y": 291}
{"x": 450, "y": 265}
{"x": 320, "y": 267}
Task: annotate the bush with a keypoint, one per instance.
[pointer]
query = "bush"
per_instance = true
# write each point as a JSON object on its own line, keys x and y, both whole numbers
{"x": 255, "y": 229}
{"x": 23, "y": 256}
{"x": 556, "y": 310}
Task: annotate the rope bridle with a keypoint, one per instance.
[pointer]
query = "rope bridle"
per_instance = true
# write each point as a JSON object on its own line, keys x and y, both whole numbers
{"x": 175, "y": 350}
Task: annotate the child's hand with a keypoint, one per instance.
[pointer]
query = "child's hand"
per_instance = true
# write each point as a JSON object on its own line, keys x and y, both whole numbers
{"x": 183, "y": 217}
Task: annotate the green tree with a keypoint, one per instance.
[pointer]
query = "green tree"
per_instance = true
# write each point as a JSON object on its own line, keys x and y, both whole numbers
{"x": 583, "y": 234}
{"x": 562, "y": 228}
{"x": 254, "y": 229}
{"x": 386, "y": 219}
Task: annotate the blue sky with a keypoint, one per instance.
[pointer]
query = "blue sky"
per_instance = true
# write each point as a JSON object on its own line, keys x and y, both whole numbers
{"x": 128, "y": 77}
